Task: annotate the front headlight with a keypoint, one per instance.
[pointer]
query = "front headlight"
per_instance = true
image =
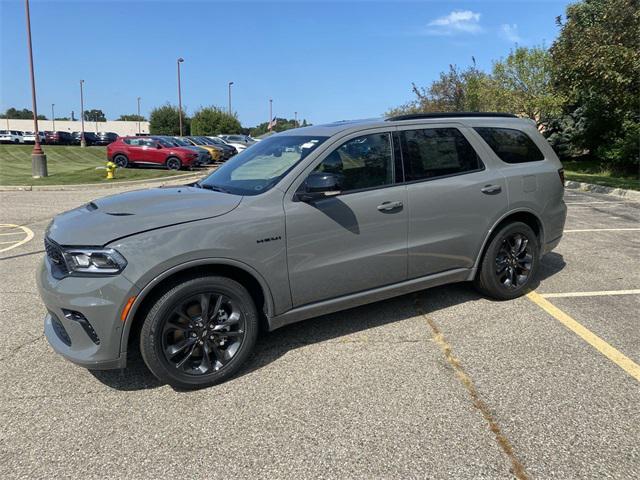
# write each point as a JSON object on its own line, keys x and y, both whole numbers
{"x": 105, "y": 261}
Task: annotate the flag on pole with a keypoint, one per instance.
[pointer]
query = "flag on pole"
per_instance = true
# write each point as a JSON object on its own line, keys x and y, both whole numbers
{"x": 272, "y": 123}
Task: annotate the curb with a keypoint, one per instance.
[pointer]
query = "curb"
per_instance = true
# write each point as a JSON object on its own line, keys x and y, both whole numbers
{"x": 590, "y": 187}
{"x": 99, "y": 186}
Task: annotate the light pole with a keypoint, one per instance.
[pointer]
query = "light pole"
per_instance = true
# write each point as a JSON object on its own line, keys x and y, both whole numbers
{"x": 270, "y": 113}
{"x": 83, "y": 142}
{"x": 38, "y": 158}
{"x": 295, "y": 117}
{"x": 180, "y": 60}
{"x": 230, "y": 83}
{"x": 139, "y": 115}
{"x": 53, "y": 117}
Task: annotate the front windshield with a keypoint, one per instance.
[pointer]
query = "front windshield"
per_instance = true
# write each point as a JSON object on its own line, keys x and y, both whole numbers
{"x": 164, "y": 142}
{"x": 260, "y": 167}
{"x": 180, "y": 143}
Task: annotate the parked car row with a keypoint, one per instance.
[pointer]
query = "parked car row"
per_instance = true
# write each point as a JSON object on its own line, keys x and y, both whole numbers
{"x": 173, "y": 153}
{"x": 58, "y": 137}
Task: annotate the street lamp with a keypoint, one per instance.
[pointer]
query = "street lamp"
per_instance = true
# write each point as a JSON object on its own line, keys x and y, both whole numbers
{"x": 139, "y": 115}
{"x": 230, "y": 83}
{"x": 53, "y": 116}
{"x": 270, "y": 113}
{"x": 180, "y": 60}
{"x": 83, "y": 142}
{"x": 295, "y": 117}
{"x": 38, "y": 158}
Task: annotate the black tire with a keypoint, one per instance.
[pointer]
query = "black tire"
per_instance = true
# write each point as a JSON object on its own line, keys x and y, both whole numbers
{"x": 121, "y": 160}
{"x": 173, "y": 163}
{"x": 508, "y": 267}
{"x": 167, "y": 337}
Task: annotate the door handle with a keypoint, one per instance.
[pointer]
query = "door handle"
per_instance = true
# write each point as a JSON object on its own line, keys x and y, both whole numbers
{"x": 491, "y": 189}
{"x": 388, "y": 206}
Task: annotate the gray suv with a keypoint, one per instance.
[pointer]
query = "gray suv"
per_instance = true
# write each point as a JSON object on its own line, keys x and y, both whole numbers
{"x": 306, "y": 222}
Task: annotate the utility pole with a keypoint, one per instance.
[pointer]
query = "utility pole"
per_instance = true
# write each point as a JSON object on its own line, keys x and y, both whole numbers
{"x": 139, "y": 115}
{"x": 38, "y": 158}
{"x": 83, "y": 142}
{"x": 180, "y": 60}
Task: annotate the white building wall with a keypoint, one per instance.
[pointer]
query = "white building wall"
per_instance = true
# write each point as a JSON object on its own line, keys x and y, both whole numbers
{"x": 121, "y": 128}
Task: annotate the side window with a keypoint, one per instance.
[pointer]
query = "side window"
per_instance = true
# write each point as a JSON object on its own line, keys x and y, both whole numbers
{"x": 437, "y": 152}
{"x": 510, "y": 145}
{"x": 362, "y": 162}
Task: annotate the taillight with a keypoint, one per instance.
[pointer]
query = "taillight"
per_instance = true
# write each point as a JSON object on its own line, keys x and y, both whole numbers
{"x": 561, "y": 174}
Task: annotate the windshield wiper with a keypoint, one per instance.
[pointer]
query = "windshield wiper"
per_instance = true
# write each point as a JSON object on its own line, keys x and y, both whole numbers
{"x": 215, "y": 188}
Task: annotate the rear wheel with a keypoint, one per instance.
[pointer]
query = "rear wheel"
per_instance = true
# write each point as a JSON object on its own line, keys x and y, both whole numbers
{"x": 510, "y": 262}
{"x": 173, "y": 163}
{"x": 121, "y": 161}
{"x": 200, "y": 332}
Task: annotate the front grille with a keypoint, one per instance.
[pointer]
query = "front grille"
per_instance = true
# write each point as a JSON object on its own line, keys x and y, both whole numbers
{"x": 54, "y": 253}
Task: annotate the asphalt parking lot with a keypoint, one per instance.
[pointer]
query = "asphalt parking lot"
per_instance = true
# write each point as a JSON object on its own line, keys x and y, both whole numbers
{"x": 440, "y": 384}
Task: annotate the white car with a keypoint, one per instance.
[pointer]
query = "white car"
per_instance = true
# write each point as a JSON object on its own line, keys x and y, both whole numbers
{"x": 239, "y": 146}
{"x": 11, "y": 136}
{"x": 30, "y": 137}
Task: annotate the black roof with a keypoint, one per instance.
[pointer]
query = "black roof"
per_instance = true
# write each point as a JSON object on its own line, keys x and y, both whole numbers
{"x": 417, "y": 116}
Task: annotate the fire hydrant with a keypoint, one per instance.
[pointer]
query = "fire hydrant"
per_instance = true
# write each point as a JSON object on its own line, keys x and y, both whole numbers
{"x": 111, "y": 170}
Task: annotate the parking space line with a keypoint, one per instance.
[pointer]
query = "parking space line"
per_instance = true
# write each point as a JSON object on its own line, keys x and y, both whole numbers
{"x": 589, "y": 203}
{"x": 578, "y": 230}
{"x": 590, "y": 294}
{"x": 517, "y": 468}
{"x": 16, "y": 243}
{"x": 587, "y": 335}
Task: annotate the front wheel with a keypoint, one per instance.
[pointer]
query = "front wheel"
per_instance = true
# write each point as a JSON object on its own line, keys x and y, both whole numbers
{"x": 200, "y": 332}
{"x": 121, "y": 161}
{"x": 173, "y": 163}
{"x": 510, "y": 262}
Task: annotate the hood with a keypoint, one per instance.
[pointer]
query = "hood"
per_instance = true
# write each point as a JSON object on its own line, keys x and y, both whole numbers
{"x": 109, "y": 218}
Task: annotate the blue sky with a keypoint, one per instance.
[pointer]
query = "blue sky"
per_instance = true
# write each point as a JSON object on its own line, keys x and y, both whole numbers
{"x": 328, "y": 60}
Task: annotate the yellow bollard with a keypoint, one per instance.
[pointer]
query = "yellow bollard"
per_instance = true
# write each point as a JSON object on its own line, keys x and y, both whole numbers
{"x": 111, "y": 170}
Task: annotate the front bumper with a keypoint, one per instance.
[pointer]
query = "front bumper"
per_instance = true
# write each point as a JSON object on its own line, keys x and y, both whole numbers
{"x": 100, "y": 301}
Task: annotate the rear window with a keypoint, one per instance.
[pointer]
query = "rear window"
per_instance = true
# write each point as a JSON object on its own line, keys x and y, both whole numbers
{"x": 510, "y": 145}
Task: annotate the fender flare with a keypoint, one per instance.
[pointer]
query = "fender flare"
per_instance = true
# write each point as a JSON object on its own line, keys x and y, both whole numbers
{"x": 268, "y": 297}
{"x": 476, "y": 264}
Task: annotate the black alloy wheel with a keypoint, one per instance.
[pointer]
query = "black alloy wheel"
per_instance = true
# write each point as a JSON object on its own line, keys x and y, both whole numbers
{"x": 513, "y": 261}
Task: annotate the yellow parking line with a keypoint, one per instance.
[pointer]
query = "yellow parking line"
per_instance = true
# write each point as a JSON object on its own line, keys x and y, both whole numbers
{"x": 28, "y": 236}
{"x": 590, "y": 294}
{"x": 603, "y": 230}
{"x": 588, "y": 336}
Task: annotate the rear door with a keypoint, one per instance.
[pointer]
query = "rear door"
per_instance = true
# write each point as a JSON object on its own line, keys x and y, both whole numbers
{"x": 453, "y": 198}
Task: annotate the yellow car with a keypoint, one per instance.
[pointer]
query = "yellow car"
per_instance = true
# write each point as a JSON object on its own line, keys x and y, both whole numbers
{"x": 216, "y": 153}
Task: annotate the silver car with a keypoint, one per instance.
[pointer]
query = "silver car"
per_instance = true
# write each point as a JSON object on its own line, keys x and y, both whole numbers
{"x": 306, "y": 222}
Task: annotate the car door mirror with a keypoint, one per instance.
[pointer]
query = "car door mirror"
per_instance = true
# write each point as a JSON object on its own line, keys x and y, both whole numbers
{"x": 320, "y": 185}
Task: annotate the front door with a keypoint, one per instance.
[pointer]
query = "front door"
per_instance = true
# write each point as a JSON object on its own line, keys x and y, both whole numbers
{"x": 356, "y": 240}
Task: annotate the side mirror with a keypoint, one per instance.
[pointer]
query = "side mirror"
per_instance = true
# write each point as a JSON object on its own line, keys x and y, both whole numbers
{"x": 320, "y": 185}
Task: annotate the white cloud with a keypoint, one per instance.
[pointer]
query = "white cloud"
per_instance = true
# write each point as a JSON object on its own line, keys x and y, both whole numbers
{"x": 510, "y": 32}
{"x": 458, "y": 21}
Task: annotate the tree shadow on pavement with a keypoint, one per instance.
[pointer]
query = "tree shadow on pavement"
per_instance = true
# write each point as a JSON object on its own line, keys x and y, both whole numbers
{"x": 273, "y": 345}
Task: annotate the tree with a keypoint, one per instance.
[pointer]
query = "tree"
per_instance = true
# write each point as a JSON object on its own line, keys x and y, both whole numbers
{"x": 24, "y": 114}
{"x": 132, "y": 118}
{"x": 596, "y": 62}
{"x": 94, "y": 116}
{"x": 214, "y": 121}
{"x": 523, "y": 85}
{"x": 281, "y": 125}
{"x": 165, "y": 120}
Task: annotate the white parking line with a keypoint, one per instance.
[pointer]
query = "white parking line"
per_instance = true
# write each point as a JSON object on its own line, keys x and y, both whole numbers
{"x": 589, "y": 203}
{"x": 602, "y": 230}
{"x": 590, "y": 294}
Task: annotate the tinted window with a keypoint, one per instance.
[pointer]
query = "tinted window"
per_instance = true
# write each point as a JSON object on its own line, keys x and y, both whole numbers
{"x": 436, "y": 152}
{"x": 512, "y": 146}
{"x": 363, "y": 162}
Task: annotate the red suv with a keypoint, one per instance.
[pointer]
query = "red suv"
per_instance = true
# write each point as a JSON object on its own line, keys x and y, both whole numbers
{"x": 126, "y": 151}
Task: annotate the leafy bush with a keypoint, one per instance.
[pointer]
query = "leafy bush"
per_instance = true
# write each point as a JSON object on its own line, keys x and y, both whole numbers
{"x": 214, "y": 121}
{"x": 165, "y": 120}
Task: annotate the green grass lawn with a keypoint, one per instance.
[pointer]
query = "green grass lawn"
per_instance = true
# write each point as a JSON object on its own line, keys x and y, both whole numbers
{"x": 67, "y": 165}
{"x": 590, "y": 171}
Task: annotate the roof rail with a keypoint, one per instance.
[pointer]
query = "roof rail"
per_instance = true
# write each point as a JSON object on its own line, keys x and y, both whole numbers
{"x": 417, "y": 116}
